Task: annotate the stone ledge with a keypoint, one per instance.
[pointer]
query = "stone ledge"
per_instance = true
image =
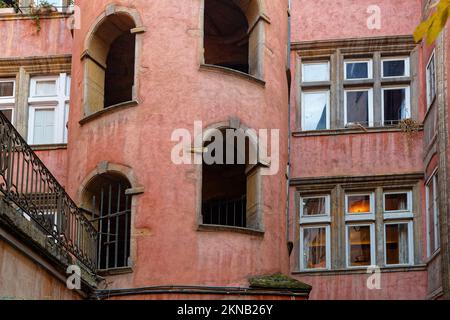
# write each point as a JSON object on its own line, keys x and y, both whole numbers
{"x": 108, "y": 110}
{"x": 218, "y": 228}
{"x": 232, "y": 72}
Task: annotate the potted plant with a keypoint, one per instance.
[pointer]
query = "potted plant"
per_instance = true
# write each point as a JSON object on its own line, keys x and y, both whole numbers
{"x": 6, "y": 7}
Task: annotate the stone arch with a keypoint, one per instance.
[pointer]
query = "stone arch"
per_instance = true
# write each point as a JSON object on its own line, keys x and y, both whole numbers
{"x": 115, "y": 40}
{"x": 253, "y": 38}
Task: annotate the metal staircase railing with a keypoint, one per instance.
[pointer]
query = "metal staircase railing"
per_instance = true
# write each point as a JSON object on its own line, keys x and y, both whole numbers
{"x": 28, "y": 186}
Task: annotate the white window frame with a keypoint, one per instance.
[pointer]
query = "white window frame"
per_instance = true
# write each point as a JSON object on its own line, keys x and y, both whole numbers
{"x": 328, "y": 112}
{"x": 431, "y": 95}
{"x": 312, "y": 63}
{"x": 57, "y": 102}
{"x": 398, "y": 214}
{"x": 407, "y": 66}
{"x": 407, "y": 99}
{"x": 410, "y": 242}
{"x": 327, "y": 246}
{"x": 360, "y": 216}
{"x": 12, "y": 111}
{"x": 317, "y": 218}
{"x": 372, "y": 244}
{"x": 436, "y": 226}
{"x": 370, "y": 110}
{"x": 8, "y": 99}
{"x": 369, "y": 68}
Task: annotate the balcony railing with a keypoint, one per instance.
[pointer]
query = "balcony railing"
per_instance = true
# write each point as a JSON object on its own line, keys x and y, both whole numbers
{"x": 28, "y": 186}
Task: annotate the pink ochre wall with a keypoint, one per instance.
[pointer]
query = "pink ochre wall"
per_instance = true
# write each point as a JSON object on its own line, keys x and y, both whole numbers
{"x": 174, "y": 92}
{"x": 315, "y": 20}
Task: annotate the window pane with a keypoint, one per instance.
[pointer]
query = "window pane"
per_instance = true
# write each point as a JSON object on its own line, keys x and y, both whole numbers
{"x": 314, "y": 206}
{"x": 359, "y": 204}
{"x": 7, "y": 89}
{"x": 358, "y": 107}
{"x": 314, "y": 248}
{"x": 68, "y": 80}
{"x": 430, "y": 211}
{"x": 315, "y": 110}
{"x": 397, "y": 251}
{"x": 45, "y": 88}
{"x": 359, "y": 246}
{"x": 44, "y": 126}
{"x": 394, "y": 68}
{"x": 396, "y": 202}
{"x": 431, "y": 81}
{"x": 395, "y": 106}
{"x": 316, "y": 72}
{"x": 357, "y": 70}
{"x": 7, "y": 113}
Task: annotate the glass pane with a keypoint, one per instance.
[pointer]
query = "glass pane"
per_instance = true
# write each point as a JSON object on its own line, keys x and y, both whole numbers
{"x": 44, "y": 126}
{"x": 395, "y": 106}
{"x": 359, "y": 246}
{"x": 357, "y": 70}
{"x": 394, "y": 68}
{"x": 314, "y": 248}
{"x": 358, "y": 107}
{"x": 396, "y": 202}
{"x": 431, "y": 217}
{"x": 316, "y": 72}
{"x": 359, "y": 204}
{"x": 7, "y": 113}
{"x": 431, "y": 81}
{"x": 314, "y": 206}
{"x": 397, "y": 251}
{"x": 45, "y": 88}
{"x": 315, "y": 106}
{"x": 7, "y": 89}
{"x": 68, "y": 79}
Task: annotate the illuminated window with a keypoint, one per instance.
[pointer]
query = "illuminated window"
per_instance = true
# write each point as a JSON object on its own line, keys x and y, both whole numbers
{"x": 360, "y": 245}
{"x": 359, "y": 206}
{"x": 315, "y": 248}
{"x": 398, "y": 243}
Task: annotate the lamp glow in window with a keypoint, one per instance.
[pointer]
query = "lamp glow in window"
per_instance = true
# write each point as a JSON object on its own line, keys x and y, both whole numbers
{"x": 359, "y": 204}
{"x": 314, "y": 248}
{"x": 359, "y": 242}
{"x": 397, "y": 244}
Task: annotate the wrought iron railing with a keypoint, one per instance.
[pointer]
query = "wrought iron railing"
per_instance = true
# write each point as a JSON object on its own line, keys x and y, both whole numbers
{"x": 28, "y": 186}
{"x": 225, "y": 212}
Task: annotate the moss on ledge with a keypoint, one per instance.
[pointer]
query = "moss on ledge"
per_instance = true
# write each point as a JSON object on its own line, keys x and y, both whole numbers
{"x": 278, "y": 281}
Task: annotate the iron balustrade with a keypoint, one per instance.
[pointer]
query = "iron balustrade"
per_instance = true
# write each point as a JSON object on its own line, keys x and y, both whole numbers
{"x": 29, "y": 187}
{"x": 225, "y": 212}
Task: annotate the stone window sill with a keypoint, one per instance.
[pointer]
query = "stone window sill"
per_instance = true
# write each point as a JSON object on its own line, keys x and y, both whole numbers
{"x": 112, "y": 109}
{"x": 218, "y": 228}
{"x": 49, "y": 147}
{"x": 344, "y": 131}
{"x": 232, "y": 72}
{"x": 419, "y": 267}
{"x": 115, "y": 271}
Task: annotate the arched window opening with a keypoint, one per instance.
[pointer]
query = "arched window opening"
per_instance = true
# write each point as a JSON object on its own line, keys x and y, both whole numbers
{"x": 226, "y": 39}
{"x": 105, "y": 197}
{"x": 110, "y": 63}
{"x": 229, "y": 186}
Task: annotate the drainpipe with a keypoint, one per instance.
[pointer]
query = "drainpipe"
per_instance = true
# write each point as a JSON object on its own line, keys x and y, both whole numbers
{"x": 288, "y": 167}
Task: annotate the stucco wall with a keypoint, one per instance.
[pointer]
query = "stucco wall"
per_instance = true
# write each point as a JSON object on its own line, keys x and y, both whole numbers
{"x": 341, "y": 19}
{"x": 23, "y": 279}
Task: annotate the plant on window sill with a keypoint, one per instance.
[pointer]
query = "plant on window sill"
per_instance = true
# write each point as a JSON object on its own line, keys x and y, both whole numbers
{"x": 8, "y": 6}
{"x": 410, "y": 127}
{"x": 36, "y": 11}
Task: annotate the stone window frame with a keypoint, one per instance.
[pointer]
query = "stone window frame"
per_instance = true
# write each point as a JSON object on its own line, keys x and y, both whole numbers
{"x": 337, "y": 188}
{"x": 255, "y": 180}
{"x": 87, "y": 58}
{"x": 21, "y": 70}
{"x": 257, "y": 18}
{"x": 136, "y": 189}
{"x": 337, "y": 52}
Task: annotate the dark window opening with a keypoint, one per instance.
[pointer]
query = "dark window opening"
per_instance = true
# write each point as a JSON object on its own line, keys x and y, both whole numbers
{"x": 119, "y": 74}
{"x": 110, "y": 208}
{"x": 224, "y": 190}
{"x": 226, "y": 40}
